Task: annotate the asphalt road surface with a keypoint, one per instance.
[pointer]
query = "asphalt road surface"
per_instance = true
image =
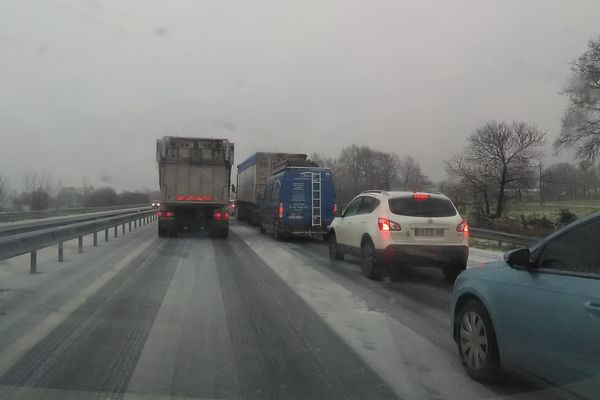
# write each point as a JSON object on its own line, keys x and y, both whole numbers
{"x": 245, "y": 317}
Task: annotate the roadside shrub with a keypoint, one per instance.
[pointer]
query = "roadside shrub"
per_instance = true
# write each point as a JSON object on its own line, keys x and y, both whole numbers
{"x": 565, "y": 217}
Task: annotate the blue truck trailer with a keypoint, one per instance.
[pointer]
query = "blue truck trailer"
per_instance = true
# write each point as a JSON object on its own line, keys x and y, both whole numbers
{"x": 298, "y": 200}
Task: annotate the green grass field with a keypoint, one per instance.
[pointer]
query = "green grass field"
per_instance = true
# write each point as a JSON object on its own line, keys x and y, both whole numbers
{"x": 551, "y": 208}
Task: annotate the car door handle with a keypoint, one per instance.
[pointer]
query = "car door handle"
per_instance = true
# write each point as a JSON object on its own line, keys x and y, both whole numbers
{"x": 592, "y": 307}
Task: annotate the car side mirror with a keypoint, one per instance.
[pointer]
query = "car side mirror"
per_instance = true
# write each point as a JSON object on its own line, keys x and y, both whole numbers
{"x": 519, "y": 259}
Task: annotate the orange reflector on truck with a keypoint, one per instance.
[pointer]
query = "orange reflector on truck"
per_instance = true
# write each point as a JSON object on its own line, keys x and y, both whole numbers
{"x": 194, "y": 198}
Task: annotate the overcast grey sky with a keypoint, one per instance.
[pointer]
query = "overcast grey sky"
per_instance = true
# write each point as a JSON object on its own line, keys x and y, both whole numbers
{"x": 87, "y": 86}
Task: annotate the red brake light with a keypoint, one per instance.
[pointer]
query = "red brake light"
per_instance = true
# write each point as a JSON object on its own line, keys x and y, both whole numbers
{"x": 170, "y": 214}
{"x": 420, "y": 196}
{"x": 280, "y": 210}
{"x": 161, "y": 213}
{"x": 221, "y": 215}
{"x": 387, "y": 225}
{"x": 334, "y": 209}
{"x": 463, "y": 226}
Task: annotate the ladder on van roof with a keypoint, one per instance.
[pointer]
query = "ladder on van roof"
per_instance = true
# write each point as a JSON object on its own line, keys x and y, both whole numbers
{"x": 316, "y": 198}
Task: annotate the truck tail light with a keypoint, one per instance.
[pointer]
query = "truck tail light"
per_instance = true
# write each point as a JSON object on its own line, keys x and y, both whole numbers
{"x": 281, "y": 210}
{"x": 387, "y": 225}
{"x": 334, "y": 209}
{"x": 463, "y": 227}
{"x": 221, "y": 215}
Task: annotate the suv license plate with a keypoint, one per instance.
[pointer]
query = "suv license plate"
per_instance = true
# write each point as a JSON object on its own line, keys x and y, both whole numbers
{"x": 429, "y": 232}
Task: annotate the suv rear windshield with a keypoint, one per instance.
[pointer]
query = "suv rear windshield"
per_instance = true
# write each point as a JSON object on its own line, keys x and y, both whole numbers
{"x": 431, "y": 207}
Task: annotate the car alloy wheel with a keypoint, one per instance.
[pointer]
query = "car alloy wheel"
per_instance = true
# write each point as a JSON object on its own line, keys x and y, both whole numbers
{"x": 473, "y": 340}
{"x": 369, "y": 265}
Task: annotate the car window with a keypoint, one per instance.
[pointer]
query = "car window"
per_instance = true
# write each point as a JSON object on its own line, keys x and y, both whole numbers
{"x": 428, "y": 207}
{"x": 353, "y": 207}
{"x": 575, "y": 251}
{"x": 275, "y": 191}
{"x": 368, "y": 205}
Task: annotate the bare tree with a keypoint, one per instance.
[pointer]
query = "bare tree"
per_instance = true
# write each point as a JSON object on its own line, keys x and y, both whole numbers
{"x": 497, "y": 153}
{"x": 324, "y": 161}
{"x": 581, "y": 121}
{"x": 410, "y": 176}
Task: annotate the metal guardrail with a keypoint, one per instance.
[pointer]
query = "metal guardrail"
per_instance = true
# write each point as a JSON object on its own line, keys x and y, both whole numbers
{"x": 31, "y": 242}
{"x": 16, "y": 228}
{"x": 10, "y": 216}
{"x": 503, "y": 237}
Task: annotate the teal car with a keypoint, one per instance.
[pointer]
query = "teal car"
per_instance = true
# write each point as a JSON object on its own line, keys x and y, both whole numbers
{"x": 535, "y": 311}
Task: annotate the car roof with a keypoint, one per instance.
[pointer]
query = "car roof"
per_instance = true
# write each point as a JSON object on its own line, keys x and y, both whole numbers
{"x": 394, "y": 194}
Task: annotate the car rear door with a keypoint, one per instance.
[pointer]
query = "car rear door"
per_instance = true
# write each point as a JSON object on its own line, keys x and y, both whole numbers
{"x": 552, "y": 313}
{"x": 362, "y": 219}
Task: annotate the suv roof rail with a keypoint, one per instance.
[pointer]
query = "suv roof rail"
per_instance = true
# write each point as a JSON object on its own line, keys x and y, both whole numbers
{"x": 375, "y": 191}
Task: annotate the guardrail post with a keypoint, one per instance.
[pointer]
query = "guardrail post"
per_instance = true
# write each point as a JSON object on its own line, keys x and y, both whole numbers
{"x": 60, "y": 252}
{"x": 116, "y": 234}
{"x": 80, "y": 244}
{"x": 106, "y": 235}
{"x": 123, "y": 230}
{"x": 33, "y": 262}
{"x": 499, "y": 243}
{"x": 135, "y": 223}
{"x": 129, "y": 226}
{"x": 95, "y": 239}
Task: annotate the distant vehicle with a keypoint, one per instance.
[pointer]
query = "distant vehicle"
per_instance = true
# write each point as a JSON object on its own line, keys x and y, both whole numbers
{"x": 401, "y": 228}
{"x": 231, "y": 208}
{"x": 194, "y": 176}
{"x": 156, "y": 204}
{"x": 537, "y": 310}
{"x": 252, "y": 178}
{"x": 298, "y": 200}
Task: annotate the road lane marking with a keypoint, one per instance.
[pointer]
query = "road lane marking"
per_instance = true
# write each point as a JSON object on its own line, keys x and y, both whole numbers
{"x": 10, "y": 355}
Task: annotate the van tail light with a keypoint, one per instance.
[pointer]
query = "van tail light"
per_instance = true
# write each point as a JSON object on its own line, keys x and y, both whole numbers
{"x": 281, "y": 210}
{"x": 387, "y": 225}
{"x": 463, "y": 226}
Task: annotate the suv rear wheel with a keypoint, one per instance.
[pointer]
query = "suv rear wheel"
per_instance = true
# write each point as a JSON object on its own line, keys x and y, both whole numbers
{"x": 371, "y": 267}
{"x": 451, "y": 272}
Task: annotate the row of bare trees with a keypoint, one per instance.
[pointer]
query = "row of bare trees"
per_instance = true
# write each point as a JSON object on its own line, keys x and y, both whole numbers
{"x": 361, "y": 168}
{"x": 40, "y": 192}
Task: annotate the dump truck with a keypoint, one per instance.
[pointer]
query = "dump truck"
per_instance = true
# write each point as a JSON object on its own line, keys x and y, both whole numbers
{"x": 252, "y": 178}
{"x": 194, "y": 176}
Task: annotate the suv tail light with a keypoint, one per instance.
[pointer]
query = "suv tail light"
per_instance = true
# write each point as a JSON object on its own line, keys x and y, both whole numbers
{"x": 281, "y": 210}
{"x": 166, "y": 214}
{"x": 463, "y": 226}
{"x": 387, "y": 225}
